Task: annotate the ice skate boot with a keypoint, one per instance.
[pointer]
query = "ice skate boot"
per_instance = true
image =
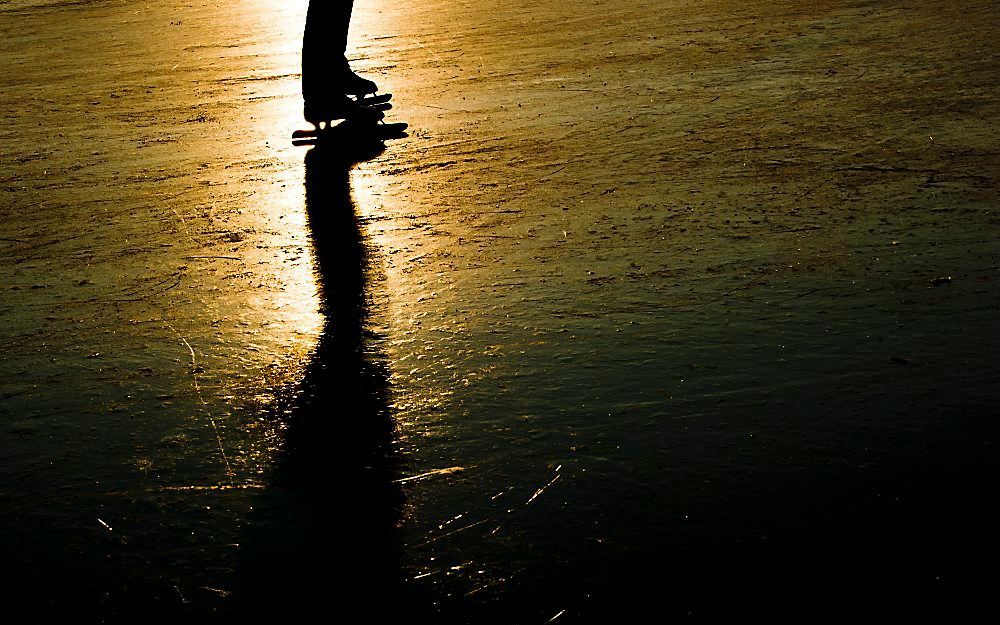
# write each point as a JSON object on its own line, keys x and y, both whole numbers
{"x": 352, "y": 84}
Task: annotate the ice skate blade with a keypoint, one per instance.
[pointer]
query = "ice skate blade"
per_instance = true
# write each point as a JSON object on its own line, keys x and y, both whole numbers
{"x": 373, "y": 98}
{"x": 348, "y": 132}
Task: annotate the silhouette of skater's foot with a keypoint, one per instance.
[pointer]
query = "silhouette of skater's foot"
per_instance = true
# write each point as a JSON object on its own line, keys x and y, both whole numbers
{"x": 351, "y": 83}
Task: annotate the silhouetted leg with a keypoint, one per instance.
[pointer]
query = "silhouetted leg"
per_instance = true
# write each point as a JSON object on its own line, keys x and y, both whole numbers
{"x": 326, "y": 75}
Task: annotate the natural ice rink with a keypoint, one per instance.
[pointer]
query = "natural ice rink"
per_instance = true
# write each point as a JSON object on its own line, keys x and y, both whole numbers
{"x": 687, "y": 306}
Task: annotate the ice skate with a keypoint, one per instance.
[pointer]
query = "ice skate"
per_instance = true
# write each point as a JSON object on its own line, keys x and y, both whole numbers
{"x": 322, "y": 112}
{"x": 357, "y": 117}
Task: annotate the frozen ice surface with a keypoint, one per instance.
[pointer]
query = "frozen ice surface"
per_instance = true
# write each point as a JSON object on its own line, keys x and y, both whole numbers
{"x": 676, "y": 304}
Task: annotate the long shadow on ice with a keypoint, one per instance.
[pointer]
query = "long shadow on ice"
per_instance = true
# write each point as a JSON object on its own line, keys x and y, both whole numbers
{"x": 322, "y": 537}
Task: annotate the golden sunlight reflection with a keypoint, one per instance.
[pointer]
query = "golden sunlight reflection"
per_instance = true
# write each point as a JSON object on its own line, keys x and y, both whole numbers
{"x": 274, "y": 298}
{"x": 245, "y": 251}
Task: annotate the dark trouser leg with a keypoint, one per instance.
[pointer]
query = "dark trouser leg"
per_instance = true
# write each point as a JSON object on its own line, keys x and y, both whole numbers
{"x": 323, "y": 44}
